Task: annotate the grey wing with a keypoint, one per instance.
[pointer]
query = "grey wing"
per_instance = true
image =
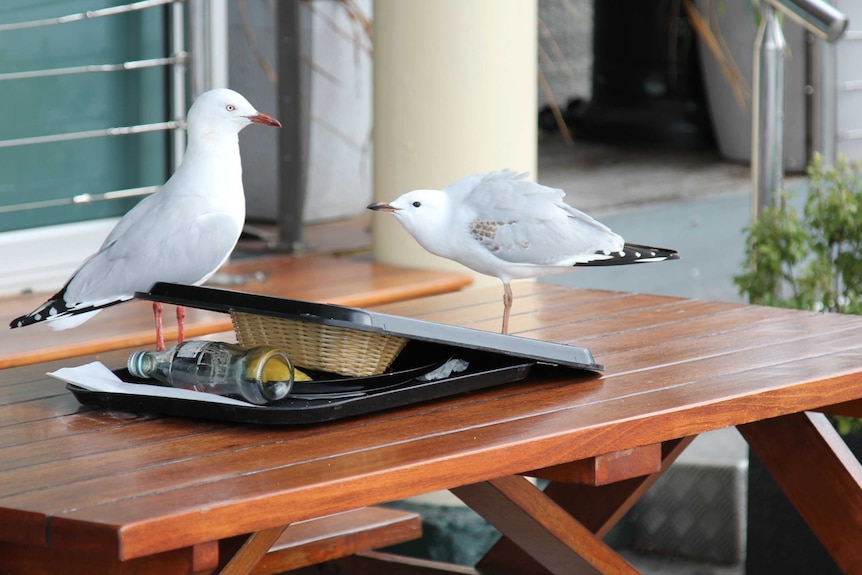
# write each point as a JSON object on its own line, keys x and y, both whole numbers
{"x": 523, "y": 222}
{"x": 140, "y": 212}
{"x": 174, "y": 247}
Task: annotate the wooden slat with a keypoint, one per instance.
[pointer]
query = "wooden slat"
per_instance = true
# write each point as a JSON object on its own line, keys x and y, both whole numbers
{"x": 486, "y": 298}
{"x": 336, "y": 536}
{"x": 100, "y": 442}
{"x": 524, "y": 317}
{"x": 637, "y": 327}
{"x": 819, "y": 474}
{"x": 321, "y": 279}
{"x": 847, "y": 409}
{"x": 606, "y": 468}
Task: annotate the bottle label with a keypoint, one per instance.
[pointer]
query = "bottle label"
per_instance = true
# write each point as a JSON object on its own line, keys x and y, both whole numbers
{"x": 191, "y": 348}
{"x": 217, "y": 361}
{"x": 206, "y": 365}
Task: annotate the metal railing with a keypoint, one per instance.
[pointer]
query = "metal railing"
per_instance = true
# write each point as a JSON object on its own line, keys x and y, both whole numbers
{"x": 88, "y": 15}
{"x": 767, "y": 126}
{"x": 177, "y": 60}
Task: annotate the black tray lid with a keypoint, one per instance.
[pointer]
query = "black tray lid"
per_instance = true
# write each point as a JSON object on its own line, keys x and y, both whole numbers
{"x": 221, "y": 300}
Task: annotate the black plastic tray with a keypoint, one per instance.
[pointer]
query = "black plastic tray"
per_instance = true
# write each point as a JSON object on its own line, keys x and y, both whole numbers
{"x": 324, "y": 401}
{"x": 354, "y": 318}
{"x": 494, "y": 359}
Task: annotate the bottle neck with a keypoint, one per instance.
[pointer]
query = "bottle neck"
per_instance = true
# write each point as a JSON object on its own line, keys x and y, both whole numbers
{"x": 141, "y": 364}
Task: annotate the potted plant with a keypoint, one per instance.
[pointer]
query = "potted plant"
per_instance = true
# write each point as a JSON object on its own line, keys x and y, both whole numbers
{"x": 810, "y": 260}
{"x": 813, "y": 260}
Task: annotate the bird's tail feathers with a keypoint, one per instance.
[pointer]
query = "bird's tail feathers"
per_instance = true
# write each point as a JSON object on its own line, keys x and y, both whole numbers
{"x": 633, "y": 254}
{"x": 59, "y": 314}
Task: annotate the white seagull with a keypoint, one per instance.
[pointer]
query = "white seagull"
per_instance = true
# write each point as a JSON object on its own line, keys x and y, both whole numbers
{"x": 182, "y": 233}
{"x": 503, "y": 225}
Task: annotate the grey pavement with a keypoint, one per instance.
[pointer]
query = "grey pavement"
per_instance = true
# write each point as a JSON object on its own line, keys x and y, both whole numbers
{"x": 692, "y": 201}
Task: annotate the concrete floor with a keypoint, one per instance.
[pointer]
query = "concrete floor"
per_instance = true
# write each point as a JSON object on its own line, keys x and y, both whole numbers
{"x": 601, "y": 179}
{"x": 692, "y": 201}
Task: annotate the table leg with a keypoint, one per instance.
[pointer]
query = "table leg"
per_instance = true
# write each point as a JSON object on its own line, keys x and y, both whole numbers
{"x": 543, "y": 529}
{"x": 819, "y": 474}
{"x": 598, "y": 508}
{"x": 252, "y": 551}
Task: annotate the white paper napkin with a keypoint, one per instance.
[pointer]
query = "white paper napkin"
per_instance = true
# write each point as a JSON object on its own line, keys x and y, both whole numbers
{"x": 96, "y": 377}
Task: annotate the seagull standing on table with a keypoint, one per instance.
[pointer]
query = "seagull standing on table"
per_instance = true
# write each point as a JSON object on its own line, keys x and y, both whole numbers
{"x": 182, "y": 233}
{"x": 503, "y": 225}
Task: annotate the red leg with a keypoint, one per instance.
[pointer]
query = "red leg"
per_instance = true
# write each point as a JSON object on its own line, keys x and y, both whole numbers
{"x": 507, "y": 306}
{"x": 181, "y": 318}
{"x": 157, "y": 314}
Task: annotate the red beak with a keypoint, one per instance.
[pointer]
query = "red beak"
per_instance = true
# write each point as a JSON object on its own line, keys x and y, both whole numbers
{"x": 265, "y": 120}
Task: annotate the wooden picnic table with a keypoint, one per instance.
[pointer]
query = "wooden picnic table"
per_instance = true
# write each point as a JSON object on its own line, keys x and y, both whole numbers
{"x": 85, "y": 485}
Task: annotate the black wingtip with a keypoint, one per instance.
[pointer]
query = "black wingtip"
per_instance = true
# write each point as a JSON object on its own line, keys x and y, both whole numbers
{"x": 635, "y": 254}
{"x": 646, "y": 254}
{"x": 33, "y": 317}
{"x": 53, "y": 306}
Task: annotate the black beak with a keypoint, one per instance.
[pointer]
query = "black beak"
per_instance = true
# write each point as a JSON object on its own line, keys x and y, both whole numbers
{"x": 382, "y": 207}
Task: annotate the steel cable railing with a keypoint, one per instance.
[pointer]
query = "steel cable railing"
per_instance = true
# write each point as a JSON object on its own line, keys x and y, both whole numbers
{"x": 177, "y": 60}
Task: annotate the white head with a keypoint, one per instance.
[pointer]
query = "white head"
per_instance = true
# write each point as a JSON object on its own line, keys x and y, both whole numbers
{"x": 423, "y": 213}
{"x": 223, "y": 112}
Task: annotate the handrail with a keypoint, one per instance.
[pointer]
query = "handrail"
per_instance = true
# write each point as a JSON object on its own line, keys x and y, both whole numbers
{"x": 817, "y": 16}
{"x": 767, "y": 126}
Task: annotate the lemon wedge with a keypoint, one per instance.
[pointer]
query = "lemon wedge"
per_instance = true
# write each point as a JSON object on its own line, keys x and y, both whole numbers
{"x": 299, "y": 375}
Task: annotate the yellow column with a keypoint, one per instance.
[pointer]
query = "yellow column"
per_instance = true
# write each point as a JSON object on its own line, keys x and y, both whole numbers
{"x": 454, "y": 95}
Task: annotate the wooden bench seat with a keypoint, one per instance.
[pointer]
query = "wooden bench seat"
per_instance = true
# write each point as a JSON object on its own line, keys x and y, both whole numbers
{"x": 300, "y": 545}
{"x": 338, "y": 536}
{"x": 337, "y": 280}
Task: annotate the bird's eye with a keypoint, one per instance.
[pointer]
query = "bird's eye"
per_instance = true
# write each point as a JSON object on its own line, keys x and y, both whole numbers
{"x": 230, "y": 107}
{"x": 417, "y": 204}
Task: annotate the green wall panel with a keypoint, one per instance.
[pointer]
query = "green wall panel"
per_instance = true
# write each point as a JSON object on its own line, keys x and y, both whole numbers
{"x": 79, "y": 102}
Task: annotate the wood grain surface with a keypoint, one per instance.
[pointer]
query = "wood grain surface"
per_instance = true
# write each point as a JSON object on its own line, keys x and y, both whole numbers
{"x": 122, "y": 485}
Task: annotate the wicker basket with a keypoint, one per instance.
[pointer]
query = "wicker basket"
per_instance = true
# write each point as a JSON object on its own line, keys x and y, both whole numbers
{"x": 320, "y": 347}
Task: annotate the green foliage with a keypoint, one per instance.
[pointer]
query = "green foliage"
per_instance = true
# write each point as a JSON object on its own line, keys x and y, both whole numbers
{"x": 811, "y": 261}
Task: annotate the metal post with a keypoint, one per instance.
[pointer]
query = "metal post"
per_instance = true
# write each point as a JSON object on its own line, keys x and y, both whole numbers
{"x": 293, "y": 113}
{"x": 767, "y": 138}
{"x": 767, "y": 126}
{"x": 178, "y": 82}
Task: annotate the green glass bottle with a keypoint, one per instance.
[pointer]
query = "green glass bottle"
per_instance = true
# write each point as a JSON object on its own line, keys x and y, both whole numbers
{"x": 259, "y": 375}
